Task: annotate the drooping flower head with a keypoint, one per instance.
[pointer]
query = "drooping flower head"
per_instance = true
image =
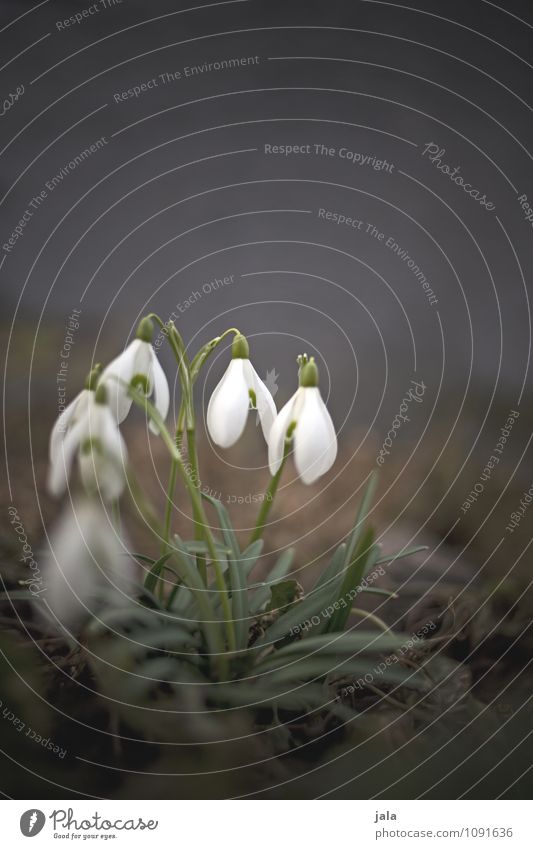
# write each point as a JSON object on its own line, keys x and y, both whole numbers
{"x": 102, "y": 455}
{"x": 85, "y": 566}
{"x": 304, "y": 419}
{"x": 137, "y": 366}
{"x": 73, "y": 413}
{"x": 240, "y": 390}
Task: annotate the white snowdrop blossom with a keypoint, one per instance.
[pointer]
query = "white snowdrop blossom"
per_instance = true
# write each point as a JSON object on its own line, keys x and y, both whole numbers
{"x": 102, "y": 454}
{"x": 240, "y": 390}
{"x": 73, "y": 413}
{"x": 85, "y": 566}
{"x": 139, "y": 366}
{"x": 306, "y": 418}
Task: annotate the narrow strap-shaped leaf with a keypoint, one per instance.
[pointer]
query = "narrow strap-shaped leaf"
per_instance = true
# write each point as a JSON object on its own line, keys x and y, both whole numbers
{"x": 312, "y": 606}
{"x": 262, "y": 592}
{"x": 281, "y": 566}
{"x": 226, "y": 527}
{"x": 198, "y": 546}
{"x": 351, "y": 643}
{"x": 319, "y": 667}
{"x": 251, "y": 555}
{"x": 239, "y": 602}
{"x": 334, "y": 568}
{"x": 145, "y": 559}
{"x": 169, "y": 638}
{"x": 407, "y": 552}
{"x": 305, "y": 697}
{"x": 191, "y": 578}
{"x": 365, "y": 552}
{"x": 237, "y": 578}
{"x": 154, "y": 574}
{"x": 360, "y": 517}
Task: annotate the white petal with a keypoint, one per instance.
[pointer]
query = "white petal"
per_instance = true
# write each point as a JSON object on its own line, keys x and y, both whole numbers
{"x": 160, "y": 388}
{"x": 68, "y": 417}
{"x": 85, "y": 562}
{"x": 62, "y": 461}
{"x": 143, "y": 357}
{"x": 315, "y": 440}
{"x": 228, "y": 407}
{"x": 102, "y": 475}
{"x": 278, "y": 431}
{"x": 119, "y": 373}
{"x": 265, "y": 402}
{"x": 103, "y": 469}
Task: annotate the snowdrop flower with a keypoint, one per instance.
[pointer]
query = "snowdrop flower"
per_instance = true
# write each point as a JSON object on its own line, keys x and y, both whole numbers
{"x": 138, "y": 366}
{"x": 100, "y": 447}
{"x": 73, "y": 413}
{"x": 85, "y": 565}
{"x": 306, "y": 420}
{"x": 240, "y": 390}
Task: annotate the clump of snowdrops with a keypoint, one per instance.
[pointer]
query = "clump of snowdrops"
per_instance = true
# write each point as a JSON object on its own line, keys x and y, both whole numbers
{"x": 198, "y": 616}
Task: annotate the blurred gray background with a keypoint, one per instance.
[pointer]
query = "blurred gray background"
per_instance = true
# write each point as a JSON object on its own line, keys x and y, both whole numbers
{"x": 181, "y": 193}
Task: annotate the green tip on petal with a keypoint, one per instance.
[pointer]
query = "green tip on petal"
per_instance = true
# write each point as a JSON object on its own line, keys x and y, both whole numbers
{"x": 240, "y": 350}
{"x": 140, "y": 381}
{"x": 100, "y": 395}
{"x": 145, "y": 330}
{"x": 92, "y": 378}
{"x": 290, "y": 430}
{"x": 309, "y": 374}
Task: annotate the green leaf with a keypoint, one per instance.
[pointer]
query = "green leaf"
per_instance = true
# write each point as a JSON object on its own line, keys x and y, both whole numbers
{"x": 226, "y": 527}
{"x": 281, "y": 566}
{"x": 361, "y": 515}
{"x": 239, "y": 602}
{"x": 297, "y": 615}
{"x": 365, "y": 556}
{"x": 210, "y": 625}
{"x": 195, "y": 546}
{"x": 236, "y": 572}
{"x": 261, "y": 594}
{"x": 284, "y": 594}
{"x": 334, "y": 568}
{"x": 303, "y": 699}
{"x": 306, "y": 697}
{"x": 181, "y": 601}
{"x": 407, "y": 552}
{"x": 251, "y": 555}
{"x": 332, "y": 577}
{"x": 143, "y": 557}
{"x": 150, "y": 582}
{"x": 170, "y": 638}
{"x": 351, "y": 643}
{"x": 321, "y": 667}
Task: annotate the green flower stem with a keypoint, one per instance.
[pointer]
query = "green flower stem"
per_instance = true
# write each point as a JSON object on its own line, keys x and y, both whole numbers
{"x": 115, "y": 507}
{"x": 207, "y": 350}
{"x": 141, "y": 504}
{"x": 170, "y": 501}
{"x": 198, "y": 510}
{"x": 210, "y": 623}
{"x": 195, "y": 475}
{"x": 210, "y": 542}
{"x": 272, "y": 489}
